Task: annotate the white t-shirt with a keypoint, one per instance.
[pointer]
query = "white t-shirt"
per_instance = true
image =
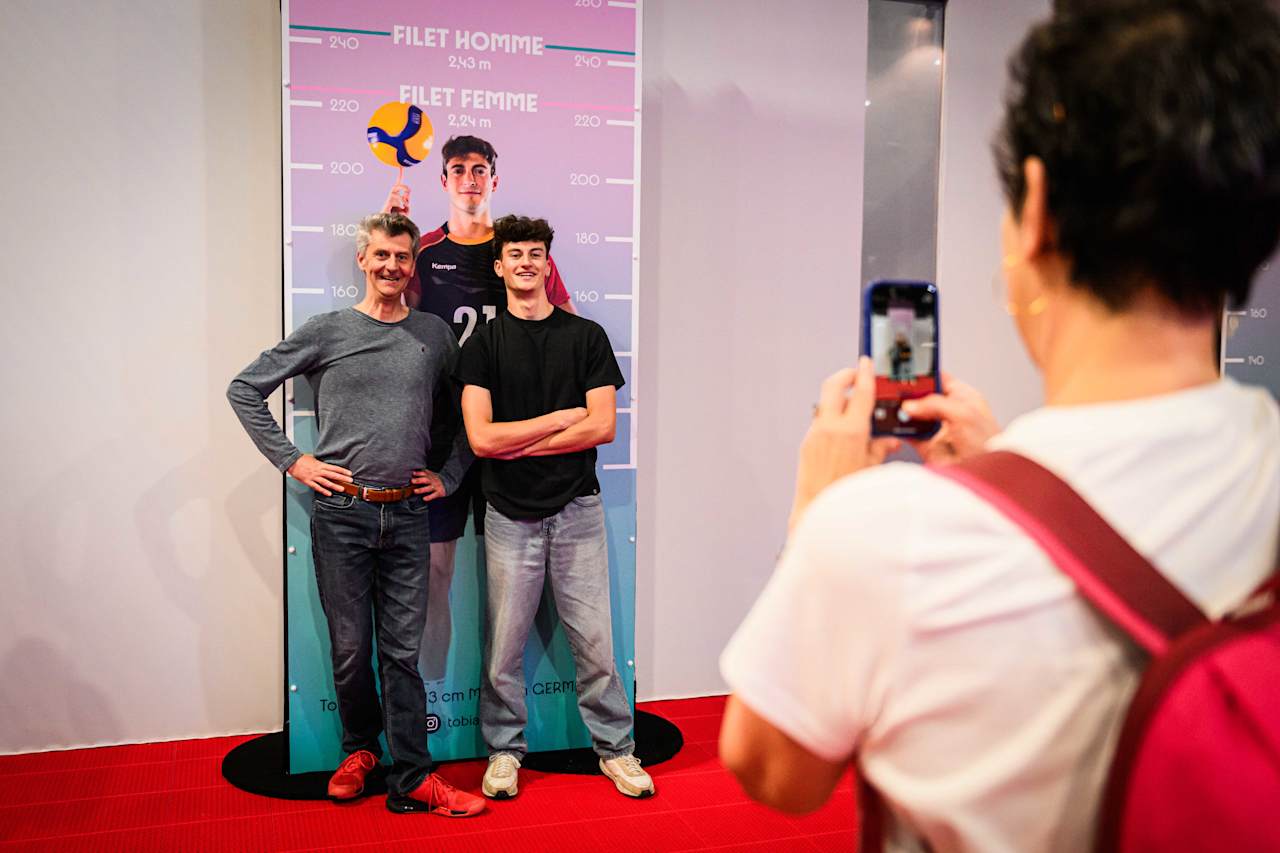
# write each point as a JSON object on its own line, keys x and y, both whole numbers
{"x": 911, "y": 622}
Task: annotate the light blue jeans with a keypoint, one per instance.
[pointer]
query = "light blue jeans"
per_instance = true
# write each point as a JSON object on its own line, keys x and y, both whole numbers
{"x": 569, "y": 551}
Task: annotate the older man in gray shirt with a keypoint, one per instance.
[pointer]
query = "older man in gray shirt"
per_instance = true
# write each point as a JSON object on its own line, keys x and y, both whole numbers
{"x": 379, "y": 372}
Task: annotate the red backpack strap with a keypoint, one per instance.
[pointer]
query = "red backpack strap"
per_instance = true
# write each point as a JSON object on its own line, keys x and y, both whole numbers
{"x": 1106, "y": 569}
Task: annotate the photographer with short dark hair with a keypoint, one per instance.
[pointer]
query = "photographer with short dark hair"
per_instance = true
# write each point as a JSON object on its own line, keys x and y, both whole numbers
{"x": 913, "y": 628}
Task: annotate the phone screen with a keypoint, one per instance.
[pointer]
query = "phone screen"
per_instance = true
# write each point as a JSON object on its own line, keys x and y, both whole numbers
{"x": 901, "y": 336}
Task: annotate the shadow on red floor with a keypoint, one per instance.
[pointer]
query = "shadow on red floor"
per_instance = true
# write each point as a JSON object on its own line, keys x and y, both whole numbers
{"x": 172, "y": 797}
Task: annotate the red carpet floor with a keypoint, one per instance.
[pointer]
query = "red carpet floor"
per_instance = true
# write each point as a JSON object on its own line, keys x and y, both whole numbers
{"x": 172, "y": 797}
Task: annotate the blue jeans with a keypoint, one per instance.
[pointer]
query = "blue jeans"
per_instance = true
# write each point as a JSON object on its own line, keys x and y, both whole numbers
{"x": 569, "y": 551}
{"x": 371, "y": 569}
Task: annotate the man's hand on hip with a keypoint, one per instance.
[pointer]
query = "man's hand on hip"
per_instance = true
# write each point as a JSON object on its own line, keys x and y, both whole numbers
{"x": 318, "y": 475}
{"x": 429, "y": 483}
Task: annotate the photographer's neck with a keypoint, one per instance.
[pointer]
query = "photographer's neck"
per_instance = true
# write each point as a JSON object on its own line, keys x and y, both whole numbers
{"x": 1089, "y": 354}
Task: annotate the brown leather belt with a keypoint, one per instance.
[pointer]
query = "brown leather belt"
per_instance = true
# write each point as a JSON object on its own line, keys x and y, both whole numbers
{"x": 376, "y": 496}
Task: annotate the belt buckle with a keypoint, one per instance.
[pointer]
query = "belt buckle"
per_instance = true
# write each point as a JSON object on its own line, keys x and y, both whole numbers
{"x": 364, "y": 493}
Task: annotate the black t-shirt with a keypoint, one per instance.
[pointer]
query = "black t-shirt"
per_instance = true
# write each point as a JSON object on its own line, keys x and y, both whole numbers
{"x": 532, "y": 367}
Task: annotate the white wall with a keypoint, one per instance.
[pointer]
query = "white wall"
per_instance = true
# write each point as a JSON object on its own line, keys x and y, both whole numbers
{"x": 141, "y": 531}
{"x": 979, "y": 342}
{"x": 749, "y": 294}
{"x": 750, "y": 254}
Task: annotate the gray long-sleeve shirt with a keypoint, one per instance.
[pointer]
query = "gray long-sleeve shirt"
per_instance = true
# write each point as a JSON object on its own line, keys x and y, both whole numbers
{"x": 377, "y": 387}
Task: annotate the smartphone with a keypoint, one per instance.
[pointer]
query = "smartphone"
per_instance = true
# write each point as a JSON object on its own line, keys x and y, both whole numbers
{"x": 900, "y": 334}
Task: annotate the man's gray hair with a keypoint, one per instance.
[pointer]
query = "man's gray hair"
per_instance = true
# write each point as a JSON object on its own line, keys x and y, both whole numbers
{"x": 391, "y": 224}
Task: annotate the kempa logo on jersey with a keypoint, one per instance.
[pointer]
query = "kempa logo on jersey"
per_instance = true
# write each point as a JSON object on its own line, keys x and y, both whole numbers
{"x": 436, "y": 266}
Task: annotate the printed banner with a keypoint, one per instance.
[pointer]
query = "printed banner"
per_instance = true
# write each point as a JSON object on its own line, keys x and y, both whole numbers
{"x": 553, "y": 85}
{"x": 1251, "y": 341}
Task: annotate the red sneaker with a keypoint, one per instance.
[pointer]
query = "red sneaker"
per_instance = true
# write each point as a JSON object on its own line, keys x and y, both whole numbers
{"x": 437, "y": 796}
{"x": 347, "y": 782}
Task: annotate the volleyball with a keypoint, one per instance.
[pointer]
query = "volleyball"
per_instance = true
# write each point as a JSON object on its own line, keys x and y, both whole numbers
{"x": 400, "y": 134}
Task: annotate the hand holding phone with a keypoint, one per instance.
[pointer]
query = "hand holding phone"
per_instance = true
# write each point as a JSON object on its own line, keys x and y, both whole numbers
{"x": 839, "y": 440}
{"x": 900, "y": 336}
{"x": 966, "y": 418}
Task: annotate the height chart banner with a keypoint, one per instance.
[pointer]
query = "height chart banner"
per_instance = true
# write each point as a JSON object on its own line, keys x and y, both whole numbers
{"x": 553, "y": 85}
{"x": 1251, "y": 334}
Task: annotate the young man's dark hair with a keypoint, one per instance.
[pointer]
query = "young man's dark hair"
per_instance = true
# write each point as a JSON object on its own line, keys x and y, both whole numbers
{"x": 1148, "y": 186}
{"x": 520, "y": 229}
{"x": 461, "y": 146}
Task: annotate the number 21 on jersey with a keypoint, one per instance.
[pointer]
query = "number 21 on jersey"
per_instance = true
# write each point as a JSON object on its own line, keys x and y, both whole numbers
{"x": 467, "y": 314}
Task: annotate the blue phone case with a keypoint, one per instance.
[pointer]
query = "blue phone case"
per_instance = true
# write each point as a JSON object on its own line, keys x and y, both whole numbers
{"x": 912, "y": 429}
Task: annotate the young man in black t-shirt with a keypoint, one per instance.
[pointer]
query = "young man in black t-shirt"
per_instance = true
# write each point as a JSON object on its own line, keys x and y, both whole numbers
{"x": 539, "y": 395}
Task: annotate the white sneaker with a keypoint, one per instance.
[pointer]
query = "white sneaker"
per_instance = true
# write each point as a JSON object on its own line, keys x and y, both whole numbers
{"x": 500, "y": 777}
{"x": 627, "y": 776}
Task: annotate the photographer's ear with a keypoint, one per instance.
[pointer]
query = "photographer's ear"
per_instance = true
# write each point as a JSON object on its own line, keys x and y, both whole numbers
{"x": 1034, "y": 227}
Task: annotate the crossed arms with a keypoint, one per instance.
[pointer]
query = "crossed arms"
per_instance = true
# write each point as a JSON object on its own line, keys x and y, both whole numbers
{"x": 561, "y": 431}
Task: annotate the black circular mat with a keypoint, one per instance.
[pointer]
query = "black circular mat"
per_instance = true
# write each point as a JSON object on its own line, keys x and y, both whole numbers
{"x": 258, "y": 765}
